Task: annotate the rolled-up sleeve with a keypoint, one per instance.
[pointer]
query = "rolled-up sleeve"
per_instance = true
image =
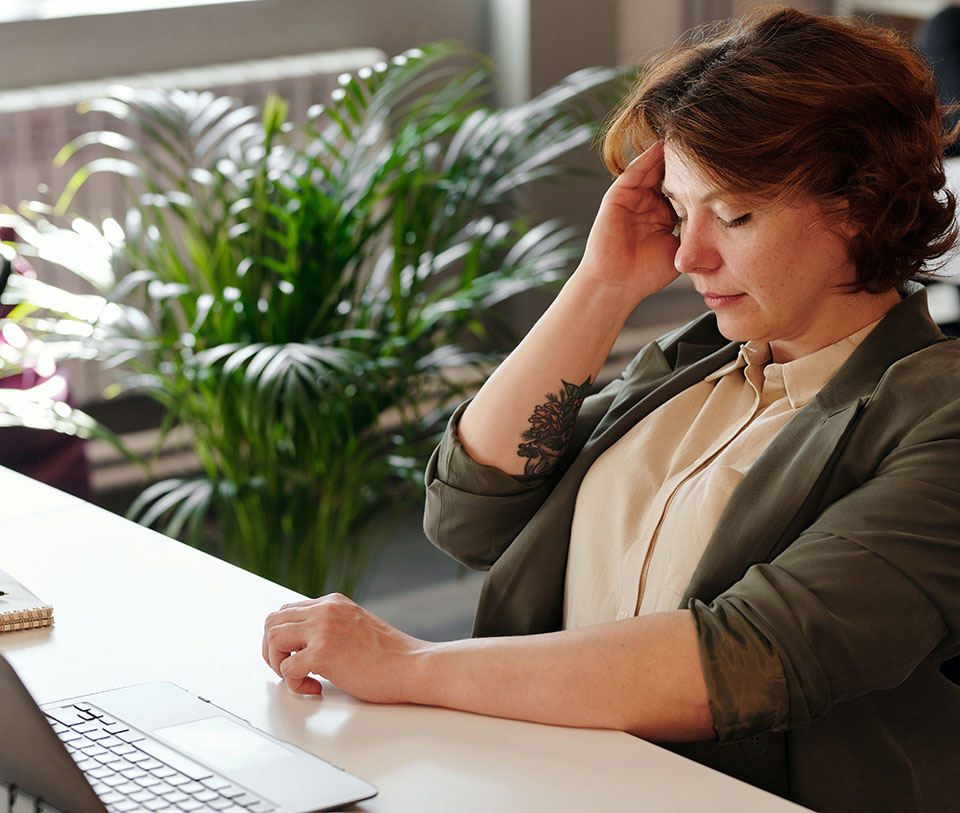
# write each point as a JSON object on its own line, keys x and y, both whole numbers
{"x": 853, "y": 605}
{"x": 473, "y": 511}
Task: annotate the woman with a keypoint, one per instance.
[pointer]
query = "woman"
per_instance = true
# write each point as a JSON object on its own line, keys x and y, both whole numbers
{"x": 748, "y": 546}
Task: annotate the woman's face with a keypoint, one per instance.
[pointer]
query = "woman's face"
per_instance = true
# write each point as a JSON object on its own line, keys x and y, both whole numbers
{"x": 770, "y": 273}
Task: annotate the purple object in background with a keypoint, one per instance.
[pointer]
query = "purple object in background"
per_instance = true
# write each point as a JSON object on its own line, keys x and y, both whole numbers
{"x": 51, "y": 457}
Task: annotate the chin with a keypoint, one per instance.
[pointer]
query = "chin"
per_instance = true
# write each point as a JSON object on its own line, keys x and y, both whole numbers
{"x": 736, "y": 331}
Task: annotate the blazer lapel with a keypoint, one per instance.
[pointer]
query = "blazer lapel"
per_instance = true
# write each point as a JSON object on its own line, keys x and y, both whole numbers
{"x": 780, "y": 494}
{"x": 775, "y": 498}
{"x": 631, "y": 406}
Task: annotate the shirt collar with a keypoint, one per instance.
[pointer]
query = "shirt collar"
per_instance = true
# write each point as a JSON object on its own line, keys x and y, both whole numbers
{"x": 804, "y": 377}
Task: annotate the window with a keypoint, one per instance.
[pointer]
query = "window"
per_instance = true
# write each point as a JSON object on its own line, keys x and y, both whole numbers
{"x": 49, "y": 9}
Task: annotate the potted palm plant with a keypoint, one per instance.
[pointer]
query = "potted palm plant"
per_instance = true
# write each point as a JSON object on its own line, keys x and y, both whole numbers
{"x": 309, "y": 300}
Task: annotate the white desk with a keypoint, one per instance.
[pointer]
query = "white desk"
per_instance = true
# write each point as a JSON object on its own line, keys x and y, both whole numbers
{"x": 133, "y": 606}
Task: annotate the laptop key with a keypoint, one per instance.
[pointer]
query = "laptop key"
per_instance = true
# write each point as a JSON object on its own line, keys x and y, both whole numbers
{"x": 111, "y": 798}
{"x": 67, "y": 715}
{"x": 114, "y": 781}
{"x": 175, "y": 796}
{"x": 147, "y": 781}
{"x": 178, "y": 780}
{"x": 205, "y": 795}
{"x": 130, "y": 736}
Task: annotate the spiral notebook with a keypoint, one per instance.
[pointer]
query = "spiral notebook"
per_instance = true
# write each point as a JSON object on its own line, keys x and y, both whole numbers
{"x": 19, "y": 608}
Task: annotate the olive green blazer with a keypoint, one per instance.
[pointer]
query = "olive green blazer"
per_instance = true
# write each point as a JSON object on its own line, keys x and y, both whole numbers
{"x": 829, "y": 593}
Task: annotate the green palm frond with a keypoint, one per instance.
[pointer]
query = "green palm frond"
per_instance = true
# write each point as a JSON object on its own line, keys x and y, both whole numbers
{"x": 309, "y": 300}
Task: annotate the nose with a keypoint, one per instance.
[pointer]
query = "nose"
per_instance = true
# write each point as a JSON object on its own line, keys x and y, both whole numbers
{"x": 697, "y": 251}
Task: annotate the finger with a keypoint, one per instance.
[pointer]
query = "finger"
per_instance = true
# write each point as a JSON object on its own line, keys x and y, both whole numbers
{"x": 307, "y": 602}
{"x": 287, "y": 614}
{"x": 271, "y": 655}
{"x": 295, "y": 672}
{"x": 281, "y": 640}
{"x": 646, "y": 170}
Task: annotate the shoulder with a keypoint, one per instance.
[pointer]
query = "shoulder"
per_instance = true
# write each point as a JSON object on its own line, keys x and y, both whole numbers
{"x": 924, "y": 380}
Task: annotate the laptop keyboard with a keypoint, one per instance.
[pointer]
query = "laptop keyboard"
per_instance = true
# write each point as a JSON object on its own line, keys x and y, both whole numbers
{"x": 131, "y": 773}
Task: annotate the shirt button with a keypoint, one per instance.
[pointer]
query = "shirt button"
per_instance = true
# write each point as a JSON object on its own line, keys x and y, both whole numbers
{"x": 756, "y": 745}
{"x": 624, "y": 614}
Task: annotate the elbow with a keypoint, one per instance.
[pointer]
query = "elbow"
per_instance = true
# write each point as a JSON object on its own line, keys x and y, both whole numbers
{"x": 682, "y": 722}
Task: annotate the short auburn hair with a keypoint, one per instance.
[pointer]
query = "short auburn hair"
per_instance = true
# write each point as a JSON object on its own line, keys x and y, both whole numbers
{"x": 786, "y": 105}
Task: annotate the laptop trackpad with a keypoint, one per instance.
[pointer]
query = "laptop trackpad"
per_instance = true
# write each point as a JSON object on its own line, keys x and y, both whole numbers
{"x": 222, "y": 743}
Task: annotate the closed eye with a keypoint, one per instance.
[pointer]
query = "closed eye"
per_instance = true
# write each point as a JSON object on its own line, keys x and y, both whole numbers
{"x": 738, "y": 221}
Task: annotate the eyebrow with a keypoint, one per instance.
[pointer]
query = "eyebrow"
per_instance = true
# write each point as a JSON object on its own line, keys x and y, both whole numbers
{"x": 705, "y": 199}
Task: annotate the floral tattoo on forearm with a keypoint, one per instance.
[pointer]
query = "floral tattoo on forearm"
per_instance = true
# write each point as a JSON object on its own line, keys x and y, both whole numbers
{"x": 551, "y": 427}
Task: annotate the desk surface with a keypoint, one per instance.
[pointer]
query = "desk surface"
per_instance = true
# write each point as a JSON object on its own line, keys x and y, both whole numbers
{"x": 133, "y": 606}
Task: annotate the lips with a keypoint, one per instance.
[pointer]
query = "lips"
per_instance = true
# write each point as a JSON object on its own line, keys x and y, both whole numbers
{"x": 715, "y": 301}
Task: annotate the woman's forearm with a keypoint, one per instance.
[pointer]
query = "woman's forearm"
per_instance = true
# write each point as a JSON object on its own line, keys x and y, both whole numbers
{"x": 518, "y": 419}
{"x": 521, "y": 419}
{"x": 641, "y": 675}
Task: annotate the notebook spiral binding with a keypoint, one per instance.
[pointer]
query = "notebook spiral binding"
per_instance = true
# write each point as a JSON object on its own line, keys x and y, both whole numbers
{"x": 27, "y": 619}
{"x": 15, "y": 800}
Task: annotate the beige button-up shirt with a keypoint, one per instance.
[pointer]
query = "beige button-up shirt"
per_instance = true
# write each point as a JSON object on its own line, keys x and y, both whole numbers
{"x": 648, "y": 506}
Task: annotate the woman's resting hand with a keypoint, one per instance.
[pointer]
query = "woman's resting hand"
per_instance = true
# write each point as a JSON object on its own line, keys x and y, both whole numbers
{"x": 336, "y": 638}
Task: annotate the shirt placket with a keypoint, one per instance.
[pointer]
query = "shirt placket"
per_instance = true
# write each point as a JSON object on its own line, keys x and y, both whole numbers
{"x": 641, "y": 553}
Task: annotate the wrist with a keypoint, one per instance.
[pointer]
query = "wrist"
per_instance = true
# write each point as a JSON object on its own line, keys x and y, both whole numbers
{"x": 601, "y": 300}
{"x": 419, "y": 675}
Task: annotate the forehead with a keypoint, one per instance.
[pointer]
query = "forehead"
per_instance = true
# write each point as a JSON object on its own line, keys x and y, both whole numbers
{"x": 687, "y": 182}
{"x": 684, "y": 180}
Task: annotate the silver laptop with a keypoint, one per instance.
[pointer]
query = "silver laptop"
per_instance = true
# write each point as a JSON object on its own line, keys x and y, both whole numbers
{"x": 156, "y": 747}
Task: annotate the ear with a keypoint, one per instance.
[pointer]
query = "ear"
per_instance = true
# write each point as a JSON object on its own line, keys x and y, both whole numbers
{"x": 847, "y": 228}
{"x": 838, "y": 211}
